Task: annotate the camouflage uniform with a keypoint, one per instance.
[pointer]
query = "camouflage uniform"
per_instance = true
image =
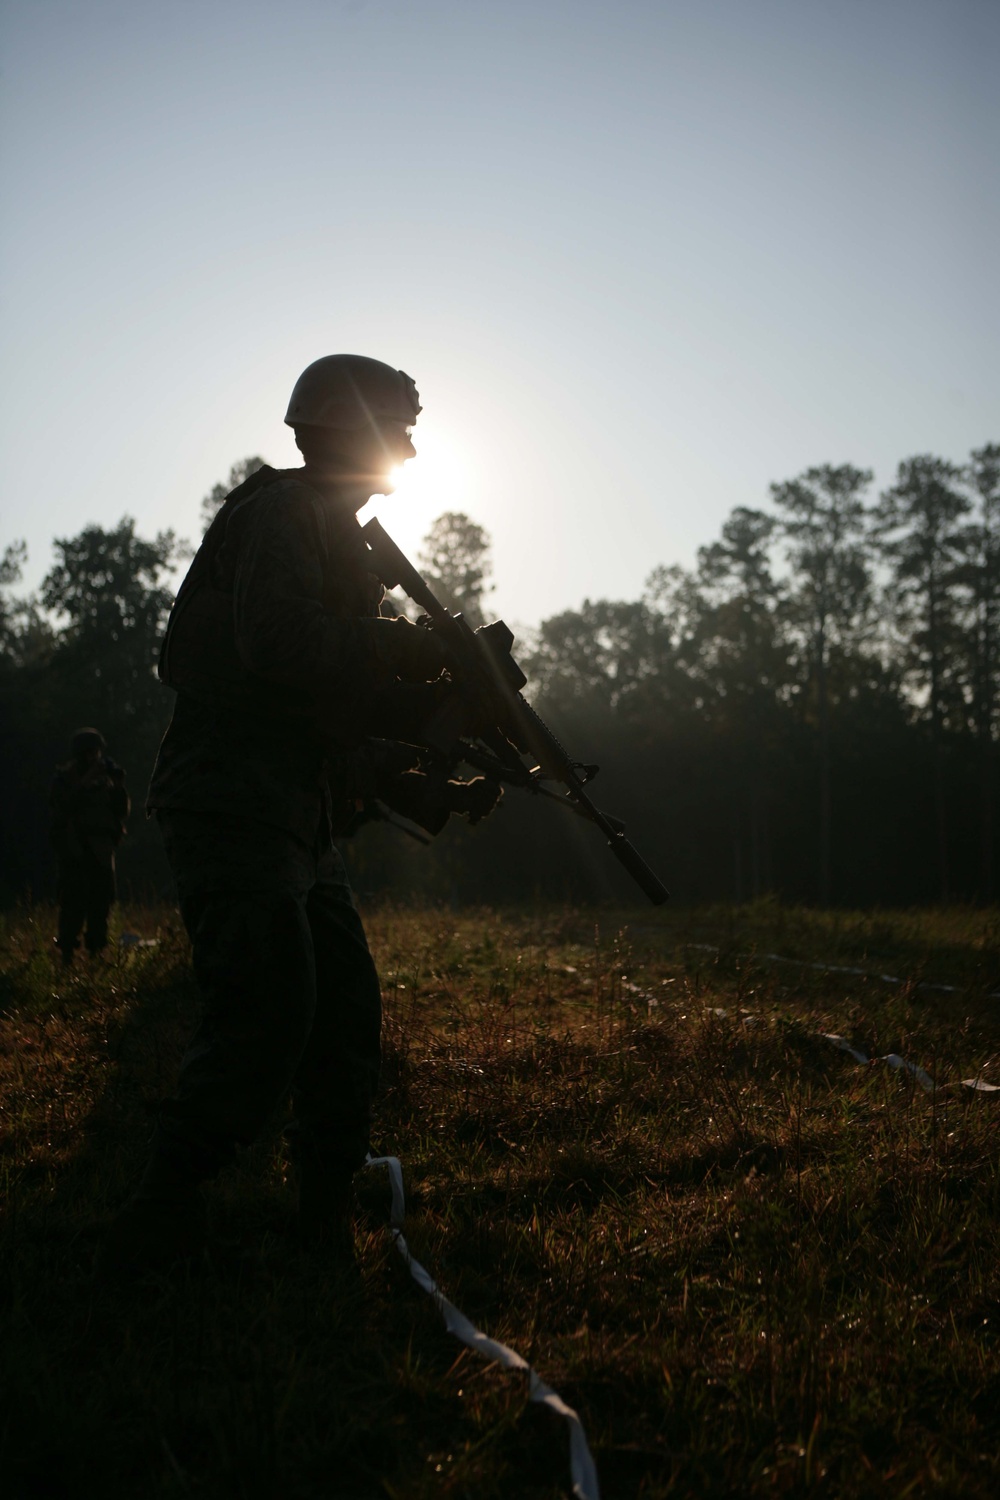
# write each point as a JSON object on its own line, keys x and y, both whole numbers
{"x": 279, "y": 656}
{"x": 89, "y": 806}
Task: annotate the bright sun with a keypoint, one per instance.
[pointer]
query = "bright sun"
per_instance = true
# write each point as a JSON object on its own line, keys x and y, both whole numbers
{"x": 436, "y": 480}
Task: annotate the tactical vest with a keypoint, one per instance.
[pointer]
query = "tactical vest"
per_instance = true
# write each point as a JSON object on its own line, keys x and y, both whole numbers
{"x": 199, "y": 655}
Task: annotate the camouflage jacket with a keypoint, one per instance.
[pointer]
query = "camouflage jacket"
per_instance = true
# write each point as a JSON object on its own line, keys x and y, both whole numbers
{"x": 88, "y": 811}
{"x": 276, "y": 650}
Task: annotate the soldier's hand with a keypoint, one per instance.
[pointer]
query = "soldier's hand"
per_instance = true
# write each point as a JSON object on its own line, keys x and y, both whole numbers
{"x": 430, "y": 799}
{"x": 390, "y": 759}
{"x": 474, "y": 799}
{"x": 420, "y": 655}
{"x": 420, "y": 798}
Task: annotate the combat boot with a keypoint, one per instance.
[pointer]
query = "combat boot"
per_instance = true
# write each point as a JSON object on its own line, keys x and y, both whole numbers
{"x": 326, "y": 1201}
{"x": 163, "y": 1225}
{"x": 66, "y": 951}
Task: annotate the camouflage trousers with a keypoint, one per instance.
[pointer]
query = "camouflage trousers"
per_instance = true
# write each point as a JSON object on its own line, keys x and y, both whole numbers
{"x": 291, "y": 998}
{"x": 86, "y": 894}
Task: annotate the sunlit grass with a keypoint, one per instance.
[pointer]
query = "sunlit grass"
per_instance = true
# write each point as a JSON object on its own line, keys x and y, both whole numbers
{"x": 753, "y": 1266}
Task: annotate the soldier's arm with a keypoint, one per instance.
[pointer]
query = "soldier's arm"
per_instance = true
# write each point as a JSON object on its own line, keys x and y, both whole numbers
{"x": 59, "y": 809}
{"x": 284, "y": 631}
{"x": 119, "y": 801}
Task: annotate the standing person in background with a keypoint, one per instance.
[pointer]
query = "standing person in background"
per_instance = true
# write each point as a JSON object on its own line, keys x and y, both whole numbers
{"x": 294, "y": 698}
{"x": 89, "y": 807}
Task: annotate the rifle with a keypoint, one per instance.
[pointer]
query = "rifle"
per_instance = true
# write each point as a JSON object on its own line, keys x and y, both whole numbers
{"x": 488, "y": 723}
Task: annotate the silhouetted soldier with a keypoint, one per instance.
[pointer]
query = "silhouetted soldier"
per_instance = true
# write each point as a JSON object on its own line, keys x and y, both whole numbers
{"x": 284, "y": 670}
{"x": 89, "y": 806}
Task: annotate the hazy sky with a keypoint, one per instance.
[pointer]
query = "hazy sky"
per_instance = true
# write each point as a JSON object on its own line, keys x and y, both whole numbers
{"x": 641, "y": 258}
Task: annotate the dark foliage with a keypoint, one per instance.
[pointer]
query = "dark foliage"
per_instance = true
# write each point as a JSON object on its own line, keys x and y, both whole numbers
{"x": 812, "y": 710}
{"x": 83, "y": 653}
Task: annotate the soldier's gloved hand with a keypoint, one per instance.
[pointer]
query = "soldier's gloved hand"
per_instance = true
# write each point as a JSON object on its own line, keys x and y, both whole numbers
{"x": 429, "y": 799}
{"x": 474, "y": 799}
{"x": 390, "y": 759}
{"x": 418, "y": 655}
{"x": 420, "y": 798}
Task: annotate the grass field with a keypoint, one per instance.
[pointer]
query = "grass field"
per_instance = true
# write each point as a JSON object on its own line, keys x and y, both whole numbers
{"x": 754, "y": 1266}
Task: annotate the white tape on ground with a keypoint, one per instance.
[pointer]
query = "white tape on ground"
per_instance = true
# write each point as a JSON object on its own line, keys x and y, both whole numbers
{"x": 581, "y": 1462}
{"x": 897, "y": 1063}
{"x": 802, "y": 963}
{"x": 894, "y": 1060}
{"x": 845, "y": 1046}
{"x": 926, "y": 1082}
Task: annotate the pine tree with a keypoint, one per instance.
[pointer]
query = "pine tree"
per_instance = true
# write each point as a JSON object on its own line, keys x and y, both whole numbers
{"x": 918, "y": 524}
{"x": 823, "y": 522}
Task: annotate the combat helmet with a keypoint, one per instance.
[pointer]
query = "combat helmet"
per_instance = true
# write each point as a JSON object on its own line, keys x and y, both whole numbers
{"x": 85, "y": 740}
{"x": 346, "y": 391}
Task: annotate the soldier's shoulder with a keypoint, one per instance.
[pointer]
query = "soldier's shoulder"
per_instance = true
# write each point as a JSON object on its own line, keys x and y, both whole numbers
{"x": 284, "y": 493}
{"x": 286, "y": 482}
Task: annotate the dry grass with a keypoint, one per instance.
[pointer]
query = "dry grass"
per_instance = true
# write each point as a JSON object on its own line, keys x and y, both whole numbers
{"x": 753, "y": 1266}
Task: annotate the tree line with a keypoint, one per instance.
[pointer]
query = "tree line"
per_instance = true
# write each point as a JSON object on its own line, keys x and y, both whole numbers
{"x": 810, "y": 710}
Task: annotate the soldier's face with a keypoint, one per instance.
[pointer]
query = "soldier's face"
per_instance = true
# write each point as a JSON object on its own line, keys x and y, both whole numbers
{"x": 366, "y": 460}
{"x": 377, "y": 451}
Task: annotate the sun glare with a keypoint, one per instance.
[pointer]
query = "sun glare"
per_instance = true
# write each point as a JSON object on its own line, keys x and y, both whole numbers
{"x": 437, "y": 479}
